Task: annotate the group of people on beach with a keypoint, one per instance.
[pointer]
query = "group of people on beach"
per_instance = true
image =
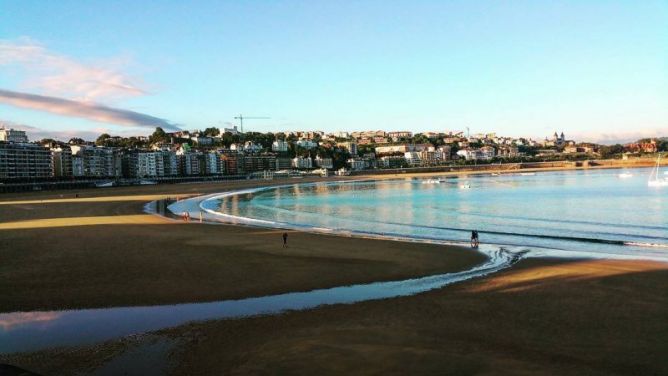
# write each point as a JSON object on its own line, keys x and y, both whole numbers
{"x": 475, "y": 242}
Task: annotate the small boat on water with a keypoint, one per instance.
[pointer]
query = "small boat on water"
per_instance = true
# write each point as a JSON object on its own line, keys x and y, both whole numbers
{"x": 104, "y": 184}
{"x": 654, "y": 180}
{"x": 431, "y": 181}
{"x": 527, "y": 173}
{"x": 625, "y": 175}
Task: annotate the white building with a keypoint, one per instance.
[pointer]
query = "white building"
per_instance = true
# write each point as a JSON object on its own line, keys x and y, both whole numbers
{"x": 399, "y": 134}
{"x": 509, "y": 152}
{"x": 391, "y": 161}
{"x": 213, "y": 163}
{"x": 307, "y": 144}
{"x": 356, "y": 163}
{"x": 350, "y": 147}
{"x": 413, "y": 158}
{"x": 98, "y": 161}
{"x": 324, "y": 162}
{"x": 393, "y": 149}
{"x": 484, "y": 153}
{"x": 342, "y": 134}
{"x": 13, "y": 135}
{"x": 468, "y": 154}
{"x": 443, "y": 153}
{"x": 150, "y": 165}
{"x": 202, "y": 140}
{"x": 250, "y": 147}
{"x": 302, "y": 163}
{"x": 279, "y": 146}
{"x": 232, "y": 130}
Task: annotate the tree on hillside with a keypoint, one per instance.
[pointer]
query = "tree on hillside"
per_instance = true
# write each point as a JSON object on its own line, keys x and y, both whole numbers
{"x": 662, "y": 144}
{"x": 420, "y": 139}
{"x": 47, "y": 141}
{"x": 76, "y": 141}
{"x": 228, "y": 139}
{"x": 608, "y": 151}
{"x": 212, "y": 132}
{"x": 103, "y": 139}
{"x": 159, "y": 136}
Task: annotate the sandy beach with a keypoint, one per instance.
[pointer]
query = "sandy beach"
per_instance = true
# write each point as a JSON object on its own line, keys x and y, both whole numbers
{"x": 100, "y": 250}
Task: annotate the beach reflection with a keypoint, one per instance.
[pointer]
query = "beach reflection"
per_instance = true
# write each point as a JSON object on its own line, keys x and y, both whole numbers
{"x": 10, "y": 321}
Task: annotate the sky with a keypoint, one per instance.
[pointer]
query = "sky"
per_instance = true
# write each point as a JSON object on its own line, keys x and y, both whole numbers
{"x": 596, "y": 70}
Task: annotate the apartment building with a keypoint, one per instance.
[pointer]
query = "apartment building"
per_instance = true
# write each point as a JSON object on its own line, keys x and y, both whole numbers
{"x": 94, "y": 161}
{"x": 24, "y": 161}
{"x": 13, "y": 135}
{"x": 62, "y": 161}
{"x": 279, "y": 146}
{"x": 302, "y": 163}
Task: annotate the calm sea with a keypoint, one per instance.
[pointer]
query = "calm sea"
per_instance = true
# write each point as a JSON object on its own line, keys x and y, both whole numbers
{"x": 578, "y": 211}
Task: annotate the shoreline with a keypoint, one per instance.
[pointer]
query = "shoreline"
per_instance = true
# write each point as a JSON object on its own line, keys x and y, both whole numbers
{"x": 372, "y": 174}
{"x": 198, "y": 212}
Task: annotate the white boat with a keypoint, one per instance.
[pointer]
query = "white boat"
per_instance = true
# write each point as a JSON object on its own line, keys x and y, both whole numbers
{"x": 104, "y": 184}
{"x": 654, "y": 180}
{"x": 625, "y": 175}
{"x": 527, "y": 173}
{"x": 431, "y": 181}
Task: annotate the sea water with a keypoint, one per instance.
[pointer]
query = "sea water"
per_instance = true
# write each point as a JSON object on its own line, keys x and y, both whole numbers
{"x": 581, "y": 212}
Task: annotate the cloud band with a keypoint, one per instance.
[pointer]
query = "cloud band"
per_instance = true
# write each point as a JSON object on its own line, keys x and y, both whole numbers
{"x": 91, "y": 111}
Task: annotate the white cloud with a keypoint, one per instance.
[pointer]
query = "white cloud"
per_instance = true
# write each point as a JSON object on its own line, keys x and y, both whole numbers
{"x": 55, "y": 74}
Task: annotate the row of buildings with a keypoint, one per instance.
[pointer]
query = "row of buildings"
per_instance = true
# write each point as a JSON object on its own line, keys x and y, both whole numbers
{"x": 20, "y": 159}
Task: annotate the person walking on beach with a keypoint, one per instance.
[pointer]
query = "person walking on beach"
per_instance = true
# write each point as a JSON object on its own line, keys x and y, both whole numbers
{"x": 285, "y": 240}
{"x": 474, "y": 239}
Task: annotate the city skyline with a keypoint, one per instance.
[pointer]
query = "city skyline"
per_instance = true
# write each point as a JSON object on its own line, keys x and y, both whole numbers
{"x": 594, "y": 71}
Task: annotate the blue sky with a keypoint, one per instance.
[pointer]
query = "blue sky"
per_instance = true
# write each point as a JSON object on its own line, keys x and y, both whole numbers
{"x": 596, "y": 70}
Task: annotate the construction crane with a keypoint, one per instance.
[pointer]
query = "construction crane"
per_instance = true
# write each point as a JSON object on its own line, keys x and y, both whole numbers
{"x": 241, "y": 120}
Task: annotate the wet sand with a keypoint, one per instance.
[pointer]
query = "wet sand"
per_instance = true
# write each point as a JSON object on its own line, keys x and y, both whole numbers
{"x": 100, "y": 250}
{"x": 550, "y": 317}
{"x": 540, "y": 317}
